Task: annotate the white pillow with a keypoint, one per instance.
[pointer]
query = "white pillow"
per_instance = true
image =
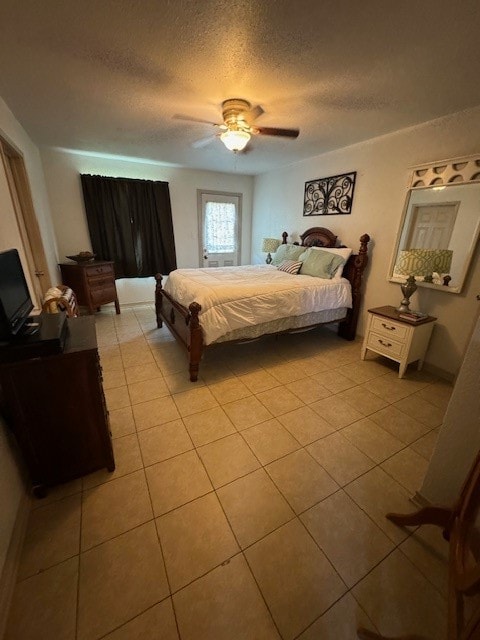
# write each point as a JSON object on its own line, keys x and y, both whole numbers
{"x": 345, "y": 253}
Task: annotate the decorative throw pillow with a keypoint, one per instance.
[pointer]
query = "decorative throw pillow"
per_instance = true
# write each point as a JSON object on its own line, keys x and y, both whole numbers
{"x": 344, "y": 252}
{"x": 319, "y": 263}
{"x": 287, "y": 252}
{"x": 290, "y": 266}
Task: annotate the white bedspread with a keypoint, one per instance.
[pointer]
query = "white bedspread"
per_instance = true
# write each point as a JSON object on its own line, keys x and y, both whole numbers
{"x": 235, "y": 297}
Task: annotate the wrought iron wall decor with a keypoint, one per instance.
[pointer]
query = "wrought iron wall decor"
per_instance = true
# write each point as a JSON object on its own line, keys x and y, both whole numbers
{"x": 329, "y": 196}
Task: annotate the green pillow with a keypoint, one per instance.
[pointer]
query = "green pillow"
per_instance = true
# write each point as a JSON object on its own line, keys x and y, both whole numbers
{"x": 287, "y": 252}
{"x": 320, "y": 264}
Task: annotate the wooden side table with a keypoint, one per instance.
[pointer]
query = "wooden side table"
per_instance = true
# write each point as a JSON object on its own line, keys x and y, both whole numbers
{"x": 400, "y": 340}
{"x": 92, "y": 282}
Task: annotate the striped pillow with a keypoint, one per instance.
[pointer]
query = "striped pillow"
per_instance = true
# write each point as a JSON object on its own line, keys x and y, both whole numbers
{"x": 290, "y": 266}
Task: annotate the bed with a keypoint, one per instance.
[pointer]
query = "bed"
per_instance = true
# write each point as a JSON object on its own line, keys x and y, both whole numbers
{"x": 208, "y": 306}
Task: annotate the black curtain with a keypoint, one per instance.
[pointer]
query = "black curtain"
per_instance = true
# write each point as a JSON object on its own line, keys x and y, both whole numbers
{"x": 130, "y": 222}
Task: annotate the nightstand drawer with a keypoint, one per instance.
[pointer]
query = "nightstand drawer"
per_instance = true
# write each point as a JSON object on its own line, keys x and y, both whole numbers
{"x": 103, "y": 296}
{"x": 386, "y": 327}
{"x": 379, "y": 342}
{"x": 100, "y": 282}
{"x": 94, "y": 270}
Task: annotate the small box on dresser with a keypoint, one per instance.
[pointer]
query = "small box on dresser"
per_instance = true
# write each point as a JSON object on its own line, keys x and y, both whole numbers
{"x": 92, "y": 282}
{"x": 396, "y": 338}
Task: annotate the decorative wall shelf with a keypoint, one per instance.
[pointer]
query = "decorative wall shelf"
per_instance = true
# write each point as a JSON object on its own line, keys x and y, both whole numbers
{"x": 454, "y": 171}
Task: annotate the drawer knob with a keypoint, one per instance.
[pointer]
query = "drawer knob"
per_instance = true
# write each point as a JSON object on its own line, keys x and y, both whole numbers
{"x": 385, "y": 344}
{"x": 388, "y": 327}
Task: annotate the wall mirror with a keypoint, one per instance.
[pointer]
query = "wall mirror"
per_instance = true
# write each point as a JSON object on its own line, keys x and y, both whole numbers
{"x": 440, "y": 225}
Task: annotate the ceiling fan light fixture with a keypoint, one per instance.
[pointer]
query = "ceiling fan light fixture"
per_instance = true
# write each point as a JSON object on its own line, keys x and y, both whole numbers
{"x": 235, "y": 140}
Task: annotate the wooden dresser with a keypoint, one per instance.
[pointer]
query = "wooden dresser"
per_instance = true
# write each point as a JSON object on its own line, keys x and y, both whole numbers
{"x": 92, "y": 282}
{"x": 55, "y": 407}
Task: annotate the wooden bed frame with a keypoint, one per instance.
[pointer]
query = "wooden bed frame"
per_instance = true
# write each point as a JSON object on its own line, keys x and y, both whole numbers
{"x": 184, "y": 322}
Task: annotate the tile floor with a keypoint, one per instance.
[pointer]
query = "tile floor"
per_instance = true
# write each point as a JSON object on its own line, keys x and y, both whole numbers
{"x": 247, "y": 506}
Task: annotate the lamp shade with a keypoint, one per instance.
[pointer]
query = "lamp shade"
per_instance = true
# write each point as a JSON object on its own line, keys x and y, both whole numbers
{"x": 270, "y": 245}
{"x": 235, "y": 140}
{"x": 415, "y": 262}
{"x": 442, "y": 260}
{"x": 423, "y": 262}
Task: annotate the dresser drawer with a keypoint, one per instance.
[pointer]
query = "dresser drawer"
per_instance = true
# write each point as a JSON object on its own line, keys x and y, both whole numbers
{"x": 380, "y": 343}
{"x": 97, "y": 270}
{"x": 100, "y": 282}
{"x": 103, "y": 295}
{"x": 390, "y": 328}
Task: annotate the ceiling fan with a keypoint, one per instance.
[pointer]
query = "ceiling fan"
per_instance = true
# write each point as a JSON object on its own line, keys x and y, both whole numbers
{"x": 237, "y": 127}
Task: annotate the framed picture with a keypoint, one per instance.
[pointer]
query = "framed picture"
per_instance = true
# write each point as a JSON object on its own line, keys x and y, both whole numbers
{"x": 329, "y": 196}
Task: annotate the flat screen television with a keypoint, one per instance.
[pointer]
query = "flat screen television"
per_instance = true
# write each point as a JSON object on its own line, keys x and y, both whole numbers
{"x": 15, "y": 301}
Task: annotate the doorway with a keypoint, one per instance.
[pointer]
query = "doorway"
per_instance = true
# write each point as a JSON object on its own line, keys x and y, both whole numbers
{"x": 432, "y": 226}
{"x": 19, "y": 227}
{"x": 219, "y": 221}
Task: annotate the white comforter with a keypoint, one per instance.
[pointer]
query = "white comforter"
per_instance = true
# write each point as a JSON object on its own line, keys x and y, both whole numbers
{"x": 235, "y": 297}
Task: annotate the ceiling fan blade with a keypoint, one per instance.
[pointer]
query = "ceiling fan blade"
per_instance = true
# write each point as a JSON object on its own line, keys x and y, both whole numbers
{"x": 198, "y": 144}
{"x": 180, "y": 116}
{"x": 273, "y": 131}
{"x": 253, "y": 114}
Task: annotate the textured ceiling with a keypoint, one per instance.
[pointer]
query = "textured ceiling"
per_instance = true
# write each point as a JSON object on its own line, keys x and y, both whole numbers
{"x": 107, "y": 76}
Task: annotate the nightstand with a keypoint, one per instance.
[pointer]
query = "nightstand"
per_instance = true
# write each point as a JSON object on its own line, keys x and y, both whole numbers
{"x": 93, "y": 283}
{"x": 395, "y": 338}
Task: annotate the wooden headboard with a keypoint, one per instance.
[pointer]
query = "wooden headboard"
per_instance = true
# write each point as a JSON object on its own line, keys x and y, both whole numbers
{"x": 353, "y": 270}
{"x": 314, "y": 237}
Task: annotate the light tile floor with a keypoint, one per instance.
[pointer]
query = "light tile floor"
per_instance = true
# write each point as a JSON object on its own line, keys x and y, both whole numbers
{"x": 250, "y": 505}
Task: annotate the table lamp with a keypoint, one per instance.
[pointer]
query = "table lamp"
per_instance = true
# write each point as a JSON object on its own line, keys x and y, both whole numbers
{"x": 411, "y": 263}
{"x": 269, "y": 246}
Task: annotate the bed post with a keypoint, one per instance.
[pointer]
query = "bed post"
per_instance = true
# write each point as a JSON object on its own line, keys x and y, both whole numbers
{"x": 348, "y": 328}
{"x": 196, "y": 341}
{"x": 284, "y": 237}
{"x": 158, "y": 299}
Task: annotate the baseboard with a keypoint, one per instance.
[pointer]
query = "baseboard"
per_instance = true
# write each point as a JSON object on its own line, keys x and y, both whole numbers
{"x": 441, "y": 373}
{"x": 10, "y": 568}
{"x": 419, "y": 500}
{"x": 431, "y": 368}
{"x": 147, "y": 303}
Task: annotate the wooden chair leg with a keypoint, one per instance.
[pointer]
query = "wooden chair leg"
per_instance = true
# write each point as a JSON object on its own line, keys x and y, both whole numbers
{"x": 365, "y": 634}
{"x": 439, "y": 516}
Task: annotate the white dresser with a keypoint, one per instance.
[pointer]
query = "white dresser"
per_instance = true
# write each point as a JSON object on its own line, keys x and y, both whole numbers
{"x": 395, "y": 338}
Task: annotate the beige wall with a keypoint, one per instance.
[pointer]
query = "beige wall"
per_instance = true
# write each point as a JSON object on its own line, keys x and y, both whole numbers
{"x": 459, "y": 438}
{"x": 382, "y": 166}
{"x": 62, "y": 172}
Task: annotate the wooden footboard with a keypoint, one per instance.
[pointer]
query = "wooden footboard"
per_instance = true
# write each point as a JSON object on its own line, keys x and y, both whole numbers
{"x": 183, "y": 323}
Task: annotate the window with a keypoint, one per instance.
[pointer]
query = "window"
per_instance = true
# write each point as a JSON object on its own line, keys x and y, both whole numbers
{"x": 219, "y": 216}
{"x": 130, "y": 222}
{"x": 220, "y": 223}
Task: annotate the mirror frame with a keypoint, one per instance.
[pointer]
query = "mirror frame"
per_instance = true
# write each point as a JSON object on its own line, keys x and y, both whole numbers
{"x": 444, "y": 173}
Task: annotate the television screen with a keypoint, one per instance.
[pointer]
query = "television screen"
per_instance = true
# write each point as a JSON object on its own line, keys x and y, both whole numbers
{"x": 15, "y": 300}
